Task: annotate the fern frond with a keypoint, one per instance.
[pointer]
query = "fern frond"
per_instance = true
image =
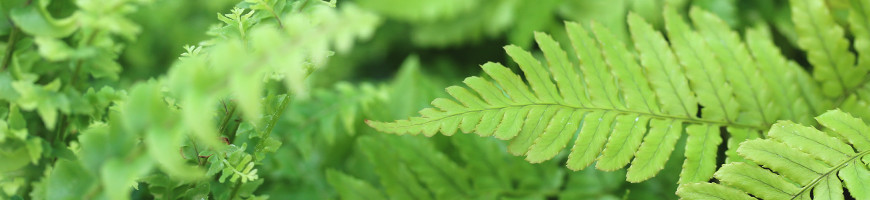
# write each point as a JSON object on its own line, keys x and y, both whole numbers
{"x": 601, "y": 87}
{"x": 714, "y": 94}
{"x": 701, "y": 145}
{"x": 803, "y": 163}
{"x": 827, "y": 48}
{"x": 711, "y": 191}
{"x": 351, "y": 188}
{"x": 619, "y": 110}
{"x": 398, "y": 180}
{"x": 859, "y": 22}
{"x": 704, "y": 73}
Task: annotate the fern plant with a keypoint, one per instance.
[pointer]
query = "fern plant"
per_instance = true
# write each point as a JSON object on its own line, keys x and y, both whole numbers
{"x": 361, "y": 163}
{"x": 179, "y": 135}
{"x": 796, "y": 162}
{"x": 620, "y": 105}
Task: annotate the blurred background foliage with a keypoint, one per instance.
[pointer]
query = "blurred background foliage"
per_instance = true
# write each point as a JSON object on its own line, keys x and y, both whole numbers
{"x": 421, "y": 47}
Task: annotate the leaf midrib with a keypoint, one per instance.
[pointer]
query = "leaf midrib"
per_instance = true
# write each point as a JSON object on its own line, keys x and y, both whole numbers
{"x": 593, "y": 109}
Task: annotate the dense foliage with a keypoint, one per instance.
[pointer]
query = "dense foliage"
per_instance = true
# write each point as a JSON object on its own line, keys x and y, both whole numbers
{"x": 292, "y": 99}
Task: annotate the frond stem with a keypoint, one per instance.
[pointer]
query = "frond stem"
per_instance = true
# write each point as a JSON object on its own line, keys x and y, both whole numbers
{"x": 235, "y": 190}
{"x": 272, "y": 10}
{"x": 825, "y": 49}
{"x": 823, "y": 176}
{"x": 592, "y": 109}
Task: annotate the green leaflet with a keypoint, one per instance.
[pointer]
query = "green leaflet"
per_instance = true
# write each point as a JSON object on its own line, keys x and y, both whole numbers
{"x": 859, "y": 22}
{"x": 591, "y": 139}
{"x": 398, "y": 180}
{"x": 621, "y": 108}
{"x": 737, "y": 135}
{"x": 555, "y": 136}
{"x": 827, "y": 48}
{"x": 666, "y": 76}
{"x": 563, "y": 71}
{"x": 702, "y": 143}
{"x": 739, "y": 68}
{"x": 655, "y": 149}
{"x": 704, "y": 73}
{"x": 780, "y": 74}
{"x": 350, "y": 187}
{"x": 711, "y": 191}
{"x": 807, "y": 162}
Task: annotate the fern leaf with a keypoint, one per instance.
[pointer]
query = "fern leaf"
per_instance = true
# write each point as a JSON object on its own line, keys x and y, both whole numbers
{"x": 711, "y": 191}
{"x": 855, "y": 177}
{"x": 859, "y": 21}
{"x": 398, "y": 180}
{"x": 739, "y": 67}
{"x": 445, "y": 179}
{"x": 827, "y": 48}
{"x": 538, "y": 118}
{"x": 510, "y": 82}
{"x": 480, "y": 155}
{"x": 757, "y": 181}
{"x": 671, "y": 84}
{"x": 738, "y": 135}
{"x": 828, "y": 149}
{"x": 621, "y": 109}
{"x": 537, "y": 76}
{"x": 701, "y": 148}
{"x": 350, "y": 188}
{"x": 704, "y": 73}
{"x": 847, "y": 127}
{"x": 800, "y": 162}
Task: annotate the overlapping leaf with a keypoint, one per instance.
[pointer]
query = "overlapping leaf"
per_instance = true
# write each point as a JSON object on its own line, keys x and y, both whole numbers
{"x": 619, "y": 105}
{"x": 796, "y": 162}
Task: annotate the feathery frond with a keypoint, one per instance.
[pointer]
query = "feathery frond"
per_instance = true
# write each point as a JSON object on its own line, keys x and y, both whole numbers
{"x": 616, "y": 109}
{"x": 798, "y": 162}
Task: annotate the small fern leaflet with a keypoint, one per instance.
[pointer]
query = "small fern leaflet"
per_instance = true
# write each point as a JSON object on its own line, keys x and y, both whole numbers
{"x": 803, "y": 163}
